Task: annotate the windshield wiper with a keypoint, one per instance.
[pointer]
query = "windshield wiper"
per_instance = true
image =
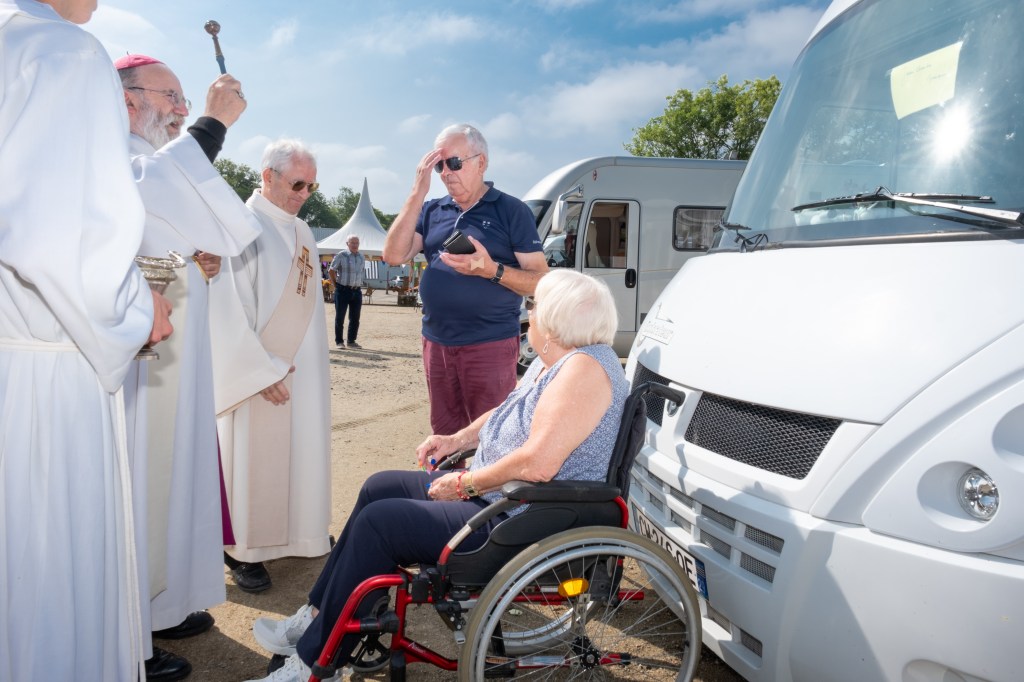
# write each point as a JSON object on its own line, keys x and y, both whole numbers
{"x": 1012, "y": 218}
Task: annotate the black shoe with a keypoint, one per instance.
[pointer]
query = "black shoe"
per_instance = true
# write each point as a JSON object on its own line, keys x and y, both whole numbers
{"x": 251, "y": 577}
{"x": 195, "y": 623}
{"x": 166, "y": 667}
{"x": 353, "y": 344}
{"x": 230, "y": 561}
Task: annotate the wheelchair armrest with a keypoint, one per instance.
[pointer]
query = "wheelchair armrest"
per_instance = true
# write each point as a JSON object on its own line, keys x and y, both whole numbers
{"x": 454, "y": 459}
{"x": 560, "y": 491}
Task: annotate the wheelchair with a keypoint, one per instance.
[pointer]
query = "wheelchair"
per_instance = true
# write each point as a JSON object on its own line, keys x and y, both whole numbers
{"x": 561, "y": 591}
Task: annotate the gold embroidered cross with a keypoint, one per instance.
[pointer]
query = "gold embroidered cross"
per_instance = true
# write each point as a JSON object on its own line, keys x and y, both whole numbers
{"x": 305, "y": 271}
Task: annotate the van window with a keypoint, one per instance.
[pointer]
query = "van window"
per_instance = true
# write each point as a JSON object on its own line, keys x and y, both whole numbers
{"x": 695, "y": 227}
{"x": 607, "y": 236}
{"x": 560, "y": 249}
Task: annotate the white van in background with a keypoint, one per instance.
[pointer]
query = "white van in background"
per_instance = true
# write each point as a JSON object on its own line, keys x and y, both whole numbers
{"x": 845, "y": 479}
{"x": 632, "y": 222}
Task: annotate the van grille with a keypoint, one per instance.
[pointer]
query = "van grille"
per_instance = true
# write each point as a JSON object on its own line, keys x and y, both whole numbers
{"x": 655, "y": 405}
{"x": 779, "y": 441}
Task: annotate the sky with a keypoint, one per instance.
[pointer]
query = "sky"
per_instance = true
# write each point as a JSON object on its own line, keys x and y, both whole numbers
{"x": 368, "y": 85}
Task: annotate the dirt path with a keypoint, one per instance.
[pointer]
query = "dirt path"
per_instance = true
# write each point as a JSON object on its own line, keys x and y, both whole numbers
{"x": 379, "y": 415}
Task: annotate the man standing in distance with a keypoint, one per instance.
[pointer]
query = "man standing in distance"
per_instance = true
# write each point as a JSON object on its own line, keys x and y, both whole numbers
{"x": 271, "y": 379}
{"x": 189, "y": 208}
{"x": 471, "y": 302}
{"x": 346, "y": 275}
{"x": 74, "y": 310}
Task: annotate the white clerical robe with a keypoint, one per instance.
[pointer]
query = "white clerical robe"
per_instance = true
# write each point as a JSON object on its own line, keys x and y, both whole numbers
{"x": 242, "y": 301}
{"x": 189, "y": 207}
{"x": 73, "y": 312}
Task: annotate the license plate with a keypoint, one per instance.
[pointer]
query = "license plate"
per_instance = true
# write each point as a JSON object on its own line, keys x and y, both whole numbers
{"x": 693, "y": 567}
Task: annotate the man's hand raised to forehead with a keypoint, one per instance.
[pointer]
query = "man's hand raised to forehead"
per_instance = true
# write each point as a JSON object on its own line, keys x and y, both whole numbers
{"x": 224, "y": 100}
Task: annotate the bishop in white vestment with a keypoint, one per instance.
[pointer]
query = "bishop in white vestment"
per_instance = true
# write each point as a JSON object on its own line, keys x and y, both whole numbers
{"x": 73, "y": 312}
{"x": 267, "y": 317}
{"x": 189, "y": 208}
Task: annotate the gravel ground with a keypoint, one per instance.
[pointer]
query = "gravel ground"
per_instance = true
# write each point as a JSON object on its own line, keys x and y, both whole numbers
{"x": 379, "y": 415}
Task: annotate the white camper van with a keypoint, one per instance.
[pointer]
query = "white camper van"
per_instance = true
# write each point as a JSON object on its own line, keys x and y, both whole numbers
{"x": 632, "y": 222}
{"x": 845, "y": 479}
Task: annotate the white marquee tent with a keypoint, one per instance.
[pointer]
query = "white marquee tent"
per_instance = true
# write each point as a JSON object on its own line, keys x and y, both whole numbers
{"x": 363, "y": 224}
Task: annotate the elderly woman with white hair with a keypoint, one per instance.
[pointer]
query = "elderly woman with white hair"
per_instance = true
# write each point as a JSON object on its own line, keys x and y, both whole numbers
{"x": 559, "y": 423}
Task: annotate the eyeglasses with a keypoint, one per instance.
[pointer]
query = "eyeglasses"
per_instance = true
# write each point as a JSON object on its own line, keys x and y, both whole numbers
{"x": 530, "y": 303}
{"x": 176, "y": 98}
{"x": 454, "y": 163}
{"x": 300, "y": 185}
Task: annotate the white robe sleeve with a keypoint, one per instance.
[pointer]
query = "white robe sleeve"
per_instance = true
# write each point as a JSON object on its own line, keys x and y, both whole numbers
{"x": 180, "y": 187}
{"x": 242, "y": 367}
{"x": 69, "y": 247}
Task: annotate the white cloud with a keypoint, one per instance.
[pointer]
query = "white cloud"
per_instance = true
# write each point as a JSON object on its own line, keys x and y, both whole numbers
{"x": 398, "y": 35}
{"x": 283, "y": 34}
{"x": 693, "y": 10}
{"x": 761, "y": 43}
{"x": 623, "y": 93}
{"x": 413, "y": 124}
{"x": 559, "y": 5}
{"x": 504, "y": 126}
{"x": 123, "y": 32}
{"x": 252, "y": 148}
{"x": 561, "y": 57}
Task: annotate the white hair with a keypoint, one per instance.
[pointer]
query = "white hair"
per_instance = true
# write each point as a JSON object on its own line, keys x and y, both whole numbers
{"x": 474, "y": 138}
{"x": 280, "y": 154}
{"x": 575, "y": 309}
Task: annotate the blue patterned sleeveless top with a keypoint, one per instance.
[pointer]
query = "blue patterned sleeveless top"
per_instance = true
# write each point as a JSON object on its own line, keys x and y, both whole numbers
{"x": 508, "y": 427}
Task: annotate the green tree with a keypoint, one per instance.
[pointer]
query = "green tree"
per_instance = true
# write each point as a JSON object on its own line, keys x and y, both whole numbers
{"x": 720, "y": 121}
{"x": 345, "y": 203}
{"x": 241, "y": 178}
{"x": 318, "y": 210}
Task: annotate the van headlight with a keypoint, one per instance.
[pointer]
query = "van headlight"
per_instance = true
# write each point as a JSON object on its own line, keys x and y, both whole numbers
{"x": 978, "y": 494}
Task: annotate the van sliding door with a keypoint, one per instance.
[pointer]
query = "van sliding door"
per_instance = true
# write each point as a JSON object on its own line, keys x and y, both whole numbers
{"x": 610, "y": 239}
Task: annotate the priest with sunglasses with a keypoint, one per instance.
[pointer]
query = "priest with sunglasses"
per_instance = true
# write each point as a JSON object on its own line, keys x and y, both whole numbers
{"x": 471, "y": 301}
{"x": 271, "y": 378}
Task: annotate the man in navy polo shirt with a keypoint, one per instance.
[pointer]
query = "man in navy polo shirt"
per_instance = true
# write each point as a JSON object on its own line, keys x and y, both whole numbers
{"x": 470, "y": 302}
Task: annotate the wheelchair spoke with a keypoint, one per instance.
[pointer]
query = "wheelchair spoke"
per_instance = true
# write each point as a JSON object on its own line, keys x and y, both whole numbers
{"x": 585, "y": 604}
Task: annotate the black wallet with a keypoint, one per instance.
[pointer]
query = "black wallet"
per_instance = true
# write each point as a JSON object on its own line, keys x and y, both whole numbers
{"x": 458, "y": 243}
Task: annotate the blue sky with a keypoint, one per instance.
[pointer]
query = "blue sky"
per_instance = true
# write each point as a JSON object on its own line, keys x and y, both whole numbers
{"x": 368, "y": 85}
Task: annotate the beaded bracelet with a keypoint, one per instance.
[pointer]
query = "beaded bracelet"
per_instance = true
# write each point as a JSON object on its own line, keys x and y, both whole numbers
{"x": 458, "y": 487}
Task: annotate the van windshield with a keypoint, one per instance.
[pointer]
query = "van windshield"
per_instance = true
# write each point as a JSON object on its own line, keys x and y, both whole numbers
{"x": 539, "y": 208}
{"x": 899, "y": 119}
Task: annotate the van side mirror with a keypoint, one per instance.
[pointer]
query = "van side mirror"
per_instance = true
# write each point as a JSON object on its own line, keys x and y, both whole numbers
{"x": 558, "y": 213}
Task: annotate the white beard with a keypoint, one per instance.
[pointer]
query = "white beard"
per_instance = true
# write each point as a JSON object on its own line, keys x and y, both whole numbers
{"x": 153, "y": 127}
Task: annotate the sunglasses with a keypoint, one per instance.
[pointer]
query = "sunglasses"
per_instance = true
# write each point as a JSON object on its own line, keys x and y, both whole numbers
{"x": 300, "y": 185}
{"x": 454, "y": 163}
{"x": 530, "y": 303}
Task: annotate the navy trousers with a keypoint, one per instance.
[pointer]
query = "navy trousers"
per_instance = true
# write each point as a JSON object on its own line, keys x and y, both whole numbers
{"x": 350, "y": 300}
{"x": 393, "y": 524}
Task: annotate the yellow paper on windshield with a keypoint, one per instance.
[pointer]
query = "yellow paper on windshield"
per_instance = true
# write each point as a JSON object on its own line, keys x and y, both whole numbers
{"x": 925, "y": 81}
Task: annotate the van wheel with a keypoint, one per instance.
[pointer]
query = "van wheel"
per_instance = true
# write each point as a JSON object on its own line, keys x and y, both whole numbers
{"x": 526, "y": 353}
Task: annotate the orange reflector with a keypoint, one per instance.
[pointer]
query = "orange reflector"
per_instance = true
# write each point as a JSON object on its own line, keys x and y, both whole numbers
{"x": 573, "y": 587}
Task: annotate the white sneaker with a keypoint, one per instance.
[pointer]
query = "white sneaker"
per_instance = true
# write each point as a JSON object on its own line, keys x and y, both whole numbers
{"x": 281, "y": 636}
{"x": 293, "y": 670}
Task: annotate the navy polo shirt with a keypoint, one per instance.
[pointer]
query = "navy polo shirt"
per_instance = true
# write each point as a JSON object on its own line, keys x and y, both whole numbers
{"x": 459, "y": 310}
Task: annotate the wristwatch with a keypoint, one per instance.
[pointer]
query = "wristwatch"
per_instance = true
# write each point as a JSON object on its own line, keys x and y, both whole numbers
{"x": 498, "y": 273}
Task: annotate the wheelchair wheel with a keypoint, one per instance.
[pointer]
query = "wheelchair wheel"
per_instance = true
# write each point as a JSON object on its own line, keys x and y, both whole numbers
{"x": 595, "y": 602}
